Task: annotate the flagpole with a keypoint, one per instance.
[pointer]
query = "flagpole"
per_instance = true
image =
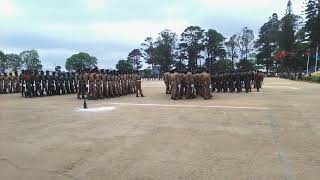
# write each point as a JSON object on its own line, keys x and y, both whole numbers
{"x": 315, "y": 68}
{"x": 308, "y": 63}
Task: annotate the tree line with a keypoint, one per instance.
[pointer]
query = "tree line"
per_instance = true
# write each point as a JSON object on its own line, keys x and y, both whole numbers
{"x": 282, "y": 44}
{"x": 27, "y": 59}
{"x": 292, "y": 37}
{"x": 193, "y": 48}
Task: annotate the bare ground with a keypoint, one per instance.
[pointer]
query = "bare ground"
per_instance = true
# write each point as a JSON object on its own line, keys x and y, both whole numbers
{"x": 273, "y": 134}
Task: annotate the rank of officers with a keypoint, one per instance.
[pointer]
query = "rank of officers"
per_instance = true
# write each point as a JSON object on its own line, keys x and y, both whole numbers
{"x": 190, "y": 84}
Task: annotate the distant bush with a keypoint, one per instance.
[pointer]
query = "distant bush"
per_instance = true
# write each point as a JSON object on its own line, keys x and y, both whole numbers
{"x": 312, "y": 79}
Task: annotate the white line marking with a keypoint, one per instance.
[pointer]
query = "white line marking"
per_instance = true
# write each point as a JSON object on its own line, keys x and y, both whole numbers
{"x": 280, "y": 83}
{"x": 99, "y": 109}
{"x": 279, "y": 87}
{"x": 190, "y": 106}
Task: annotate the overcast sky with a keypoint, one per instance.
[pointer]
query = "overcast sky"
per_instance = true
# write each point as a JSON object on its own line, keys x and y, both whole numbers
{"x": 110, "y": 29}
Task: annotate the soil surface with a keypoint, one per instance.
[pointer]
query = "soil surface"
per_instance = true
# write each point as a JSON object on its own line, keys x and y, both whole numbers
{"x": 272, "y": 134}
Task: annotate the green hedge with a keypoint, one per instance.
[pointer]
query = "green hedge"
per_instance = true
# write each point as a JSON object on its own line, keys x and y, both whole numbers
{"x": 312, "y": 78}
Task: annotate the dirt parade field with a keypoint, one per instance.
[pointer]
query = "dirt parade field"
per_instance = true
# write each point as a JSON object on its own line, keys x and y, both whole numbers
{"x": 272, "y": 134}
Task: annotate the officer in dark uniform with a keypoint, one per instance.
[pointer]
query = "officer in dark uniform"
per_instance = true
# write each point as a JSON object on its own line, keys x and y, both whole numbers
{"x": 56, "y": 90}
{"x": 225, "y": 82}
{"x": 45, "y": 83}
{"x": 50, "y": 81}
{"x": 41, "y": 80}
{"x": 32, "y": 83}
{"x": 29, "y": 87}
{"x": 58, "y": 84}
{"x": 72, "y": 82}
{"x": 231, "y": 79}
{"x": 82, "y": 85}
{"x": 66, "y": 82}
{"x": 247, "y": 81}
{"x": 238, "y": 82}
{"x": 22, "y": 82}
{"x": 62, "y": 83}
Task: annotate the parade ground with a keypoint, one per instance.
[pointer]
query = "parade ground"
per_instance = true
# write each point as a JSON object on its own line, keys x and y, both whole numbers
{"x": 272, "y": 134}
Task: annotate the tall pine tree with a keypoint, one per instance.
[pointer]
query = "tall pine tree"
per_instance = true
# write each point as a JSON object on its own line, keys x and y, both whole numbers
{"x": 267, "y": 42}
{"x": 312, "y": 25}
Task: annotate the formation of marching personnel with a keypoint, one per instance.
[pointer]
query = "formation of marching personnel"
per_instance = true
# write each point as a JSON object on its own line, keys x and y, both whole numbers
{"x": 100, "y": 84}
{"x": 190, "y": 84}
{"x": 88, "y": 83}
{"x": 9, "y": 83}
{"x": 37, "y": 83}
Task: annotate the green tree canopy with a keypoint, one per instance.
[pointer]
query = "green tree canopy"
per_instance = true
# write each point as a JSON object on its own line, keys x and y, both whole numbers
{"x": 231, "y": 48}
{"x": 14, "y": 61}
{"x": 134, "y": 58}
{"x": 289, "y": 26}
{"x": 312, "y": 25}
{"x": 267, "y": 42}
{"x": 166, "y": 49}
{"x": 191, "y": 42}
{"x": 245, "y": 42}
{"x": 161, "y": 52}
{"x": 3, "y": 62}
{"x": 246, "y": 65}
{"x": 223, "y": 65}
{"x": 149, "y": 51}
{"x": 214, "y": 46}
{"x": 81, "y": 60}
{"x": 124, "y": 65}
{"x": 31, "y": 59}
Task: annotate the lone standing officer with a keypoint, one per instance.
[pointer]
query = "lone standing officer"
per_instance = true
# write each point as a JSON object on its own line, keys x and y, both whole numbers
{"x": 137, "y": 83}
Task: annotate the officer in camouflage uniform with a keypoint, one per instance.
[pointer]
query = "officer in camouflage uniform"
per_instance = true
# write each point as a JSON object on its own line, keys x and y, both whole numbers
{"x": 196, "y": 79}
{"x": 132, "y": 83}
{"x": 182, "y": 84}
{"x": 99, "y": 85}
{"x": 17, "y": 82}
{"x": 137, "y": 82}
{"x": 189, "y": 85}
{"x": 114, "y": 84}
{"x": 110, "y": 83}
{"x": 258, "y": 80}
{"x": 50, "y": 81}
{"x": 174, "y": 84}
{"x": 118, "y": 84}
{"x": 167, "y": 82}
{"x": 206, "y": 80}
{"x": 92, "y": 85}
